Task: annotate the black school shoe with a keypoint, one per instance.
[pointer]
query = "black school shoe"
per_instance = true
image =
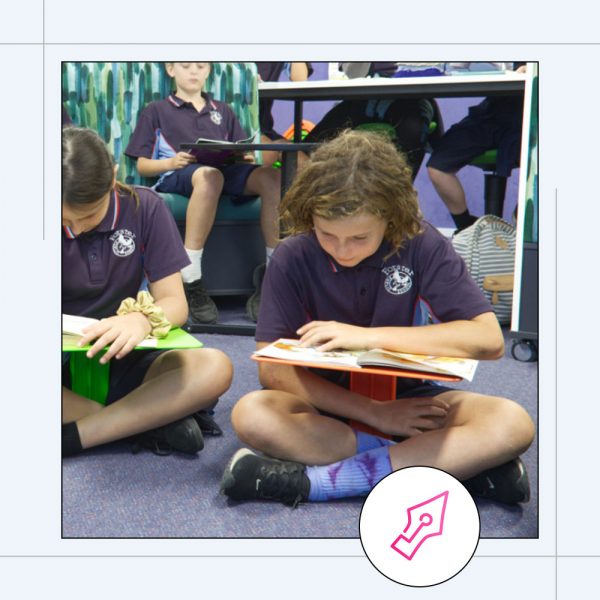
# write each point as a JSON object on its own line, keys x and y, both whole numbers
{"x": 207, "y": 423}
{"x": 507, "y": 483}
{"x": 202, "y": 307}
{"x": 253, "y": 303}
{"x": 183, "y": 436}
{"x": 249, "y": 476}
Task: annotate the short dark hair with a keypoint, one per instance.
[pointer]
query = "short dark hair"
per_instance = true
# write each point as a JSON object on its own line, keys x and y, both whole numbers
{"x": 356, "y": 171}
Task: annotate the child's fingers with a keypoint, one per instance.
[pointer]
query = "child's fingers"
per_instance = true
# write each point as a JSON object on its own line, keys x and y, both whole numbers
{"x": 115, "y": 347}
{"x": 309, "y": 327}
{"x": 332, "y": 344}
{"x": 314, "y": 338}
{"x": 434, "y": 411}
{"x": 127, "y": 348}
{"x": 432, "y": 401}
{"x": 100, "y": 344}
{"x": 93, "y": 332}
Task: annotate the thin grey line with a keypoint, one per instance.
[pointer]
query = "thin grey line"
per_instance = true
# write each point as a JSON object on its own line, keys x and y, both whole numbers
{"x": 44, "y": 121}
{"x": 556, "y": 392}
{"x": 270, "y": 556}
{"x": 287, "y": 43}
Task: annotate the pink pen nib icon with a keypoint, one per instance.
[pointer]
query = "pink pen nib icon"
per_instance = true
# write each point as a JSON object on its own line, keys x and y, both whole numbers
{"x": 425, "y": 520}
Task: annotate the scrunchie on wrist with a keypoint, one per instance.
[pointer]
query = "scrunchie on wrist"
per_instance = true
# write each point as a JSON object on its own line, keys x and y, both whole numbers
{"x": 155, "y": 314}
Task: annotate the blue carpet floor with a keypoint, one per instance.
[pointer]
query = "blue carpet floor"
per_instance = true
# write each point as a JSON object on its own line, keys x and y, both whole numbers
{"x": 109, "y": 492}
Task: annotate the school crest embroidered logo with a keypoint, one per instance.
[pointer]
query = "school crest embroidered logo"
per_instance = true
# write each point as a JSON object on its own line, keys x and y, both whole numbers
{"x": 398, "y": 280}
{"x": 216, "y": 117}
{"x": 123, "y": 242}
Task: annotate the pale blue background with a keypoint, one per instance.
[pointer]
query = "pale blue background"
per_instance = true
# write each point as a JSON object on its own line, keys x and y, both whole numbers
{"x": 29, "y": 247}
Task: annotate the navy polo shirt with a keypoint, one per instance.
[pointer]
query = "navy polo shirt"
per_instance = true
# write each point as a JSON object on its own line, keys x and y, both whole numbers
{"x": 166, "y": 124}
{"x": 303, "y": 283}
{"x": 102, "y": 267}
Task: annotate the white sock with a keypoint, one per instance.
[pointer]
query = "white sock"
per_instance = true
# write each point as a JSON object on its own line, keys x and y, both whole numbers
{"x": 194, "y": 271}
{"x": 269, "y": 253}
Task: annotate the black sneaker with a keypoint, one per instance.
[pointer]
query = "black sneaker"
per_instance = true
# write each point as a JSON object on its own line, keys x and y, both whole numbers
{"x": 507, "y": 483}
{"x": 253, "y": 303}
{"x": 202, "y": 307}
{"x": 183, "y": 436}
{"x": 249, "y": 476}
{"x": 207, "y": 423}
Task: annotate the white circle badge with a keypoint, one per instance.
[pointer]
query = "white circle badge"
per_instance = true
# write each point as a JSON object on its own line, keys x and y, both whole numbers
{"x": 419, "y": 526}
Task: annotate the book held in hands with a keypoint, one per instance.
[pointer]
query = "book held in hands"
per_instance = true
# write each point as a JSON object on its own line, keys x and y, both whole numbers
{"x": 201, "y": 150}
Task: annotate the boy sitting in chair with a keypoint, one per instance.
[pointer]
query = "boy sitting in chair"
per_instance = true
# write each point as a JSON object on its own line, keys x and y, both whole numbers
{"x": 187, "y": 114}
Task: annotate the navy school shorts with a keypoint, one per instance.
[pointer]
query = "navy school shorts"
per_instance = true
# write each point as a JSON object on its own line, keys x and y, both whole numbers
{"x": 235, "y": 177}
{"x": 490, "y": 124}
{"x": 126, "y": 374}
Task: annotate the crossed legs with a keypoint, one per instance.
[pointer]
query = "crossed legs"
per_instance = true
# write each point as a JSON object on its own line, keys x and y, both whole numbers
{"x": 177, "y": 384}
{"x": 480, "y": 432}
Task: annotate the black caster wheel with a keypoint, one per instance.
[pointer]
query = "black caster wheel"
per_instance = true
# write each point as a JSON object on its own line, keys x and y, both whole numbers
{"x": 524, "y": 350}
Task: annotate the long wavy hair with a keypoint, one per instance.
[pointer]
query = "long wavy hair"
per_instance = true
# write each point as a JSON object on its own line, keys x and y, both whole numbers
{"x": 357, "y": 171}
{"x": 87, "y": 168}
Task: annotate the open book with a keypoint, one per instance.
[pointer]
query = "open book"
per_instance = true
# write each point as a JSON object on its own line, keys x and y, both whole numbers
{"x": 73, "y": 326}
{"x": 213, "y": 156}
{"x": 289, "y": 350}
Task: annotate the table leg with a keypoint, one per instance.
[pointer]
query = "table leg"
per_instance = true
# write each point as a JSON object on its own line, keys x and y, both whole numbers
{"x": 288, "y": 168}
{"x": 297, "y": 121}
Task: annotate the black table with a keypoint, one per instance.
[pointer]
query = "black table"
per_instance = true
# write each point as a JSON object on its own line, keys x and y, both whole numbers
{"x": 445, "y": 86}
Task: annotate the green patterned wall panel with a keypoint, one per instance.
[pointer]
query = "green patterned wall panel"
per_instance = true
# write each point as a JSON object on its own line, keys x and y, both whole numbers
{"x": 108, "y": 97}
{"x": 531, "y": 187}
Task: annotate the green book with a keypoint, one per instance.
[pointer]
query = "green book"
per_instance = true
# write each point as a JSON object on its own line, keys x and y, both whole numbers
{"x": 89, "y": 378}
{"x": 177, "y": 338}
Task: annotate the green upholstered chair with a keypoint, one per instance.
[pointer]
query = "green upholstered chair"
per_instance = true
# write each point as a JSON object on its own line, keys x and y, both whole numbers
{"x": 108, "y": 97}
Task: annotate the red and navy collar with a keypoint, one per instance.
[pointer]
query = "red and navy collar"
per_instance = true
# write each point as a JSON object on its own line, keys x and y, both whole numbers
{"x": 179, "y": 102}
{"x": 110, "y": 220}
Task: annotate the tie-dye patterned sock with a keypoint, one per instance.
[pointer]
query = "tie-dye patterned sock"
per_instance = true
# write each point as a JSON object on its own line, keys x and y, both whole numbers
{"x": 366, "y": 441}
{"x": 354, "y": 476}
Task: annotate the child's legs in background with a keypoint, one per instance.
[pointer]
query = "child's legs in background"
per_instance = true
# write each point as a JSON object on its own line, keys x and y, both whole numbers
{"x": 266, "y": 183}
{"x": 271, "y": 156}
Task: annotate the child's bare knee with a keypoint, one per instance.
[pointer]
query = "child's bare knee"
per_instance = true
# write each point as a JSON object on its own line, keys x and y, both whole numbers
{"x": 250, "y": 417}
{"x": 220, "y": 367}
{"x": 207, "y": 177}
{"x": 209, "y": 370}
{"x": 514, "y": 427}
{"x": 267, "y": 179}
{"x": 523, "y": 427}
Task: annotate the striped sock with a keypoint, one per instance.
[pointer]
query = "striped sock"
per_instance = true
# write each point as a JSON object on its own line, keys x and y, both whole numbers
{"x": 367, "y": 441}
{"x": 354, "y": 476}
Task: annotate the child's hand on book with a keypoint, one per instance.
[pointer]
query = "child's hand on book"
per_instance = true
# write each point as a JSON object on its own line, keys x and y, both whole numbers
{"x": 331, "y": 335}
{"x": 182, "y": 159}
{"x": 122, "y": 333}
{"x": 248, "y": 157}
{"x": 409, "y": 416}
